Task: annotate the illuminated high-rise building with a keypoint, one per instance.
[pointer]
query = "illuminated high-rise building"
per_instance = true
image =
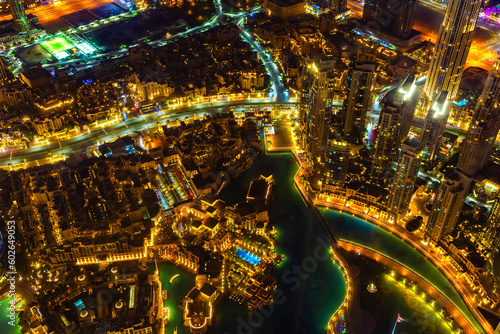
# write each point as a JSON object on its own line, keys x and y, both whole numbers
{"x": 447, "y": 205}
{"x": 393, "y": 17}
{"x": 491, "y": 89}
{"x": 406, "y": 100}
{"x": 434, "y": 127}
{"x": 370, "y": 10}
{"x": 4, "y": 72}
{"x": 21, "y": 22}
{"x": 483, "y": 130}
{"x": 452, "y": 47}
{"x": 360, "y": 80}
{"x": 491, "y": 235}
{"x": 397, "y": 109}
{"x": 385, "y": 144}
{"x": 403, "y": 16}
{"x": 338, "y": 6}
{"x": 403, "y": 183}
{"x": 316, "y": 89}
{"x": 335, "y": 163}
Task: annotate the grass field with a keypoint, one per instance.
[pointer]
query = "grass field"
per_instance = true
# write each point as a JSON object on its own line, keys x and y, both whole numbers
{"x": 56, "y": 46}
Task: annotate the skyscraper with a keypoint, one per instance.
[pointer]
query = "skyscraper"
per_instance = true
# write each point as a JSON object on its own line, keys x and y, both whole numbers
{"x": 4, "y": 72}
{"x": 452, "y": 47}
{"x": 338, "y": 6}
{"x": 434, "y": 126}
{"x": 491, "y": 233}
{"x": 402, "y": 16}
{"x": 370, "y": 9}
{"x": 316, "y": 88}
{"x": 385, "y": 144}
{"x": 447, "y": 205}
{"x": 397, "y": 109}
{"x": 491, "y": 89}
{"x": 359, "y": 83}
{"x": 336, "y": 163}
{"x": 406, "y": 100}
{"x": 403, "y": 184}
{"x": 393, "y": 17}
{"x": 477, "y": 146}
{"x": 21, "y": 23}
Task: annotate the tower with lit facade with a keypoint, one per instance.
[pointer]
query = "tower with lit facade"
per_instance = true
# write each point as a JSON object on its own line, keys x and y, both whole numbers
{"x": 403, "y": 18}
{"x": 21, "y": 22}
{"x": 403, "y": 183}
{"x": 385, "y": 143}
{"x": 406, "y": 99}
{"x": 360, "y": 80}
{"x": 370, "y": 10}
{"x": 395, "y": 18}
{"x": 452, "y": 47}
{"x": 447, "y": 205}
{"x": 434, "y": 126}
{"x": 338, "y": 6}
{"x": 396, "y": 115}
{"x": 316, "y": 90}
{"x": 490, "y": 236}
{"x": 483, "y": 130}
{"x": 4, "y": 72}
{"x": 336, "y": 162}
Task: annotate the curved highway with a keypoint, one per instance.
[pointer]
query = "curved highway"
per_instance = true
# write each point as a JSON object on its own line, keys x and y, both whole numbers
{"x": 123, "y": 128}
{"x": 278, "y": 90}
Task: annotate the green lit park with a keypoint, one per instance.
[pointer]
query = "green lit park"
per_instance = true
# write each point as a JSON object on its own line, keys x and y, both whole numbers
{"x": 420, "y": 314}
{"x": 57, "y": 45}
{"x": 61, "y": 46}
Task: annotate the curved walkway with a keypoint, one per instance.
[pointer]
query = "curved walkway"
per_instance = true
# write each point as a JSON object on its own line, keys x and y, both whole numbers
{"x": 350, "y": 303}
{"x": 406, "y": 271}
{"x": 465, "y": 293}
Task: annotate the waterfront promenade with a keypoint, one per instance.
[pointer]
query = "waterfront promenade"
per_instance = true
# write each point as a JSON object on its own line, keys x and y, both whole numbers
{"x": 402, "y": 269}
{"x": 460, "y": 283}
{"x": 465, "y": 291}
{"x": 350, "y": 303}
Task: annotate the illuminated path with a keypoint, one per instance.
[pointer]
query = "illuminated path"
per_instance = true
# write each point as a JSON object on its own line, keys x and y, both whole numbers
{"x": 438, "y": 295}
{"x": 390, "y": 241}
{"x": 361, "y": 231}
{"x": 272, "y": 69}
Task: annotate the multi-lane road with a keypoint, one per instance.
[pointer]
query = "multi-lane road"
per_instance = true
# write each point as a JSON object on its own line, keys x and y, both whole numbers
{"x": 278, "y": 94}
{"x": 133, "y": 124}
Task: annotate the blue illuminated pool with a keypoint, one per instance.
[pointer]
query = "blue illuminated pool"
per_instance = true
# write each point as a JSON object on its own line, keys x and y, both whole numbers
{"x": 249, "y": 257}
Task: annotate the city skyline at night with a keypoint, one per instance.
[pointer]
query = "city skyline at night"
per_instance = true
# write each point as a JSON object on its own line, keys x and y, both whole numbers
{"x": 278, "y": 166}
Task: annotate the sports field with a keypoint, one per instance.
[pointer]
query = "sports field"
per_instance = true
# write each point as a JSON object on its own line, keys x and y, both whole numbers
{"x": 56, "y": 45}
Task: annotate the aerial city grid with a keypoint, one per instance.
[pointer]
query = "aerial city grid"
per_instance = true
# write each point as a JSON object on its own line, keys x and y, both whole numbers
{"x": 249, "y": 166}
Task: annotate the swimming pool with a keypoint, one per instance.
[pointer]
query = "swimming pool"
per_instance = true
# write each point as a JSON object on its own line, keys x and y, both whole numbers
{"x": 247, "y": 256}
